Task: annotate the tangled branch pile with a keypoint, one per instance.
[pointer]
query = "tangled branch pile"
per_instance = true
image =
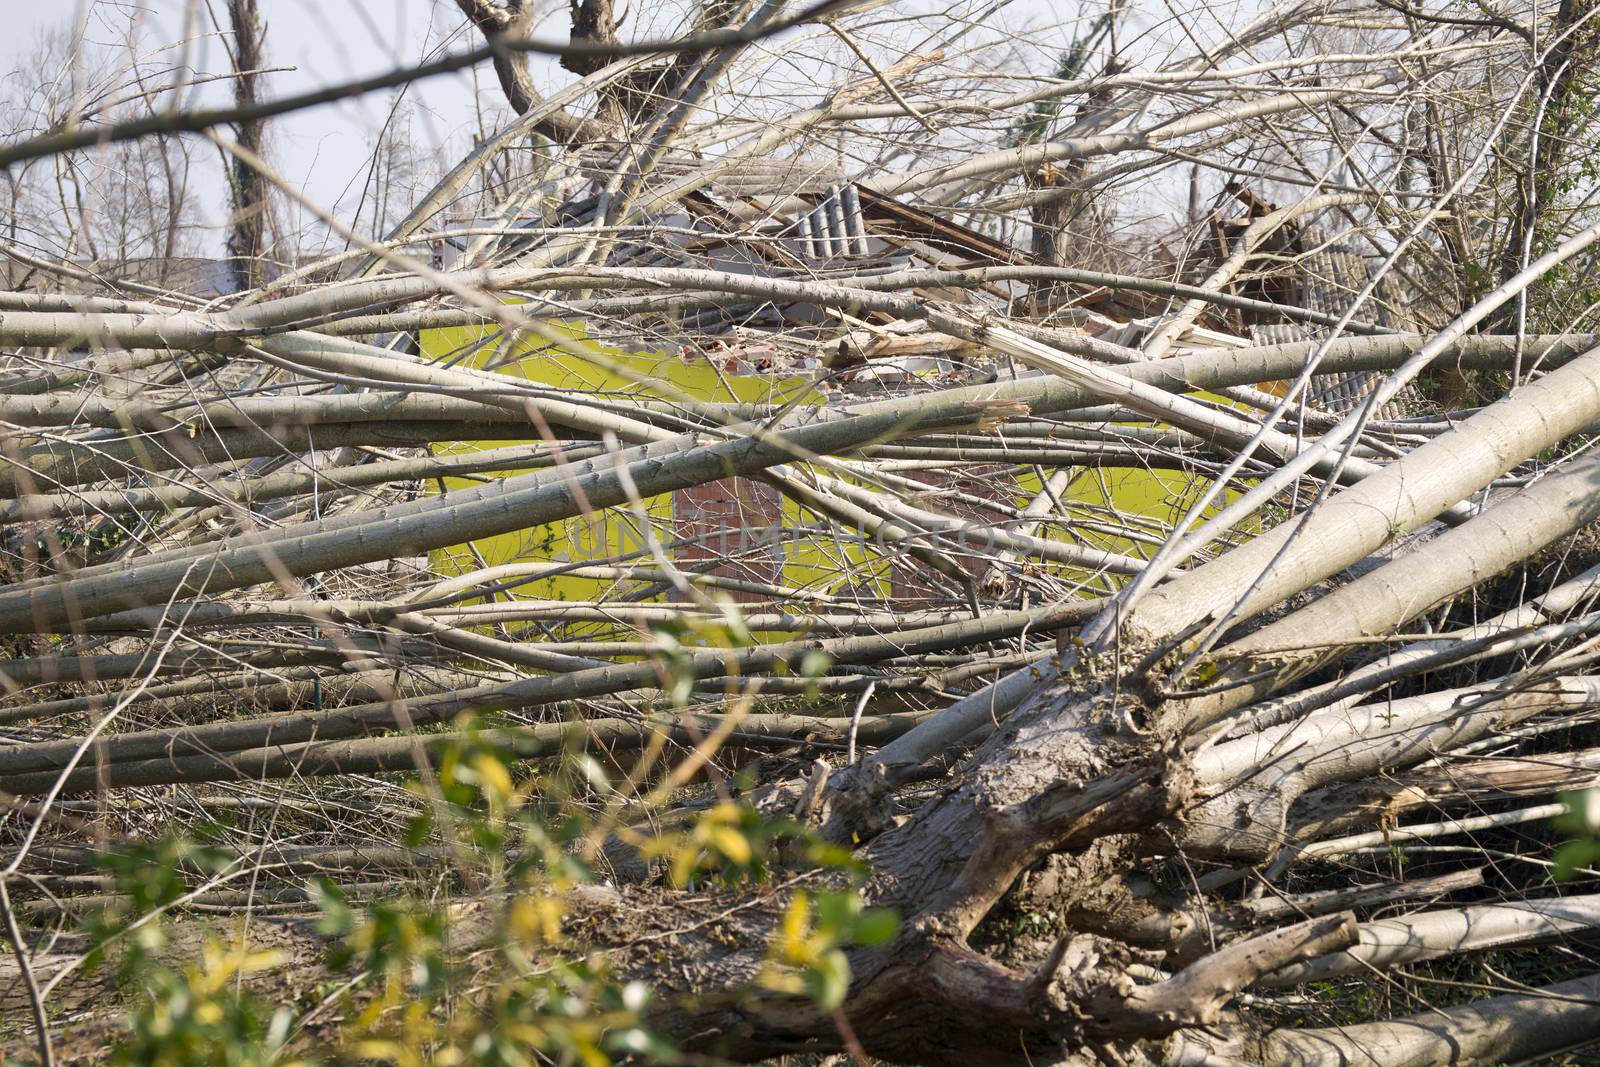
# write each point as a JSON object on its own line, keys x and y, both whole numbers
{"x": 1169, "y": 633}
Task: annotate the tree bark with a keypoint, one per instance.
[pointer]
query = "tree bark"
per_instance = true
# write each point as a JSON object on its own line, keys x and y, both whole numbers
{"x": 248, "y": 190}
{"x": 502, "y": 24}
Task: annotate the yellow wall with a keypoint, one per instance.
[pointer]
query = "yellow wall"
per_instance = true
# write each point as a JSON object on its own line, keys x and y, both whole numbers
{"x": 820, "y": 563}
{"x": 577, "y": 363}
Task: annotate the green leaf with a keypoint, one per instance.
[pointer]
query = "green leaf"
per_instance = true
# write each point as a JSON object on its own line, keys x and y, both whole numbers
{"x": 815, "y": 664}
{"x": 1572, "y": 857}
{"x": 828, "y": 981}
{"x": 593, "y": 772}
{"x": 418, "y": 829}
{"x": 334, "y": 917}
{"x": 876, "y": 926}
{"x": 836, "y": 912}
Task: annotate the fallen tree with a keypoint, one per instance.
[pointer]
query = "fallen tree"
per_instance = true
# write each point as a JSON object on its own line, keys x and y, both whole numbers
{"x": 980, "y": 755}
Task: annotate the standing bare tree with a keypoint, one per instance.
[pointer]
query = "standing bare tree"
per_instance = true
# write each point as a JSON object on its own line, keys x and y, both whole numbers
{"x": 248, "y": 191}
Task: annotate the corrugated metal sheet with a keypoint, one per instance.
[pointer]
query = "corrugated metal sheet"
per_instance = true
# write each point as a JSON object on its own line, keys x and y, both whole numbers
{"x": 1329, "y": 278}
